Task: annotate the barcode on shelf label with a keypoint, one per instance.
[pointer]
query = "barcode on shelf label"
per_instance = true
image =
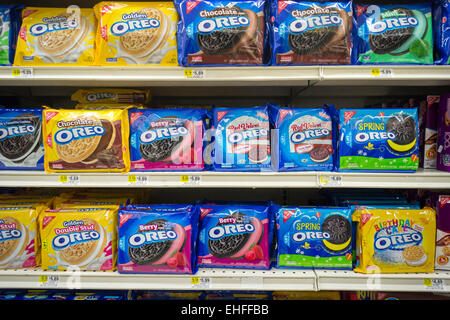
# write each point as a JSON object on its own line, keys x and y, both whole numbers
{"x": 22, "y": 72}
{"x": 330, "y": 180}
{"x": 195, "y": 73}
{"x": 382, "y": 72}
{"x": 72, "y": 180}
{"x": 185, "y": 179}
{"x": 434, "y": 284}
{"x": 200, "y": 282}
{"x": 48, "y": 281}
{"x": 138, "y": 180}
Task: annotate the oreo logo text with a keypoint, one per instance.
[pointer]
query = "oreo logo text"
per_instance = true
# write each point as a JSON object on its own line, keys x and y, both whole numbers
{"x": 397, "y": 240}
{"x": 63, "y": 241}
{"x": 151, "y": 135}
{"x": 310, "y": 235}
{"x": 298, "y": 137}
{"x": 308, "y": 23}
{"x": 219, "y": 23}
{"x": 391, "y": 24}
{"x": 12, "y": 131}
{"x": 9, "y": 231}
{"x": 218, "y": 232}
{"x": 140, "y": 239}
{"x": 92, "y": 97}
{"x": 237, "y": 137}
{"x": 53, "y": 24}
{"x": 65, "y": 136}
{"x": 122, "y": 27}
{"x": 363, "y": 137}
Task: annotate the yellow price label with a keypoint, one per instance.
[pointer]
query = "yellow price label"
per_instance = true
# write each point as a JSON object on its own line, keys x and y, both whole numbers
{"x": 427, "y": 282}
{"x": 132, "y": 179}
{"x": 188, "y": 73}
{"x": 63, "y": 179}
{"x": 375, "y": 72}
{"x": 184, "y": 179}
{"x": 42, "y": 279}
{"x": 16, "y": 72}
{"x": 195, "y": 280}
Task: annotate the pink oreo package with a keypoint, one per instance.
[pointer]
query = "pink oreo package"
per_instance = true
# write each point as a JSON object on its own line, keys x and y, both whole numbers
{"x": 235, "y": 236}
{"x": 167, "y": 139}
{"x": 443, "y": 138}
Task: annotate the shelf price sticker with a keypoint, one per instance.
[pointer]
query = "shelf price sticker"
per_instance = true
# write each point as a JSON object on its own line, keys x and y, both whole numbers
{"x": 195, "y": 180}
{"x": 69, "y": 179}
{"x": 138, "y": 180}
{"x": 434, "y": 284}
{"x": 22, "y": 72}
{"x": 200, "y": 282}
{"x": 194, "y": 73}
{"x": 382, "y": 72}
{"x": 48, "y": 281}
{"x": 330, "y": 180}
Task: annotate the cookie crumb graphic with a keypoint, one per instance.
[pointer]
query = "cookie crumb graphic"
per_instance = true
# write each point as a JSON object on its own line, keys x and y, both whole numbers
{"x": 415, "y": 256}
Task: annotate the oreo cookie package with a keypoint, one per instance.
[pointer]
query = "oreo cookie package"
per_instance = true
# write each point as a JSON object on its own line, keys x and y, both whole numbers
{"x": 158, "y": 240}
{"x": 167, "y": 139}
{"x": 306, "y": 32}
{"x": 441, "y": 31}
{"x": 241, "y": 139}
{"x": 318, "y": 238}
{"x": 393, "y": 34}
{"x": 21, "y": 146}
{"x": 378, "y": 139}
{"x": 303, "y": 139}
{"x": 221, "y": 32}
{"x": 235, "y": 236}
{"x": 10, "y": 20}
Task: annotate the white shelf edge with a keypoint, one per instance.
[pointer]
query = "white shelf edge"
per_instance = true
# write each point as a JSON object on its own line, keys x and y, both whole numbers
{"x": 430, "y": 179}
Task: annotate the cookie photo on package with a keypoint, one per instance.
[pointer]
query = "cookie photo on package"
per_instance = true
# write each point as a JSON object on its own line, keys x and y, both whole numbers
{"x": 378, "y": 140}
{"x": 241, "y": 139}
{"x": 62, "y": 36}
{"x": 234, "y": 236}
{"x": 314, "y": 238}
{"x": 393, "y": 34}
{"x": 136, "y": 33}
{"x": 221, "y": 32}
{"x": 160, "y": 239}
{"x": 86, "y": 140}
{"x": 306, "y": 32}
{"x": 303, "y": 139}
{"x": 167, "y": 139}
{"x": 21, "y": 145}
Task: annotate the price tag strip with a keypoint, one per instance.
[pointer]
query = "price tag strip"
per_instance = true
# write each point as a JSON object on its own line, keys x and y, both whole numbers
{"x": 190, "y": 180}
{"x": 69, "y": 180}
{"x": 329, "y": 180}
{"x": 135, "y": 180}
{"x": 382, "y": 72}
{"x": 195, "y": 73}
{"x": 51, "y": 281}
{"x": 434, "y": 284}
{"x": 22, "y": 72}
{"x": 200, "y": 282}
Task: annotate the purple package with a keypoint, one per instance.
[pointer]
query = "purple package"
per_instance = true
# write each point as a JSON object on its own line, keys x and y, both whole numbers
{"x": 443, "y": 233}
{"x": 430, "y": 133}
{"x": 443, "y": 138}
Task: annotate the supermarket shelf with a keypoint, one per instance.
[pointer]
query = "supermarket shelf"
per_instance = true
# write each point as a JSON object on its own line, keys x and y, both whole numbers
{"x": 402, "y": 75}
{"x": 412, "y": 282}
{"x": 430, "y": 179}
{"x": 208, "y": 279}
{"x": 228, "y": 279}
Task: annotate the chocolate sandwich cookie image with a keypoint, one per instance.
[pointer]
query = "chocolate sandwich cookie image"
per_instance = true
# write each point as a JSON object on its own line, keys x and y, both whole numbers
{"x": 221, "y": 32}
{"x": 394, "y": 33}
{"x": 21, "y": 139}
{"x": 311, "y": 32}
{"x": 340, "y": 231}
{"x": 82, "y": 140}
{"x": 403, "y": 128}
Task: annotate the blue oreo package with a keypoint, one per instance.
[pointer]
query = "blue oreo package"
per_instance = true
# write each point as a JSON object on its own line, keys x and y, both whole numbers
{"x": 10, "y": 22}
{"x": 235, "y": 236}
{"x": 241, "y": 139}
{"x": 221, "y": 32}
{"x": 393, "y": 34}
{"x": 160, "y": 207}
{"x": 314, "y": 237}
{"x": 158, "y": 240}
{"x": 311, "y": 32}
{"x": 167, "y": 139}
{"x": 385, "y": 139}
{"x": 303, "y": 139}
{"x": 21, "y": 145}
{"x": 441, "y": 28}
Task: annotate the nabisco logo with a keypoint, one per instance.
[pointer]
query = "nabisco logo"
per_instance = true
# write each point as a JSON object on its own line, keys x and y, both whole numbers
{"x": 190, "y": 5}
{"x": 287, "y": 214}
{"x": 348, "y": 115}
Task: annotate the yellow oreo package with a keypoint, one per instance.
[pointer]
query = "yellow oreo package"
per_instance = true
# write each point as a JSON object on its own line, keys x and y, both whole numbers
{"x": 136, "y": 33}
{"x": 86, "y": 140}
{"x": 79, "y": 239}
{"x": 56, "y": 36}
{"x": 121, "y": 96}
{"x": 395, "y": 240}
{"x": 19, "y": 237}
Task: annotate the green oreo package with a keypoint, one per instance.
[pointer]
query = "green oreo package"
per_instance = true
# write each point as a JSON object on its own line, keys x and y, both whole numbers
{"x": 393, "y": 34}
{"x": 378, "y": 140}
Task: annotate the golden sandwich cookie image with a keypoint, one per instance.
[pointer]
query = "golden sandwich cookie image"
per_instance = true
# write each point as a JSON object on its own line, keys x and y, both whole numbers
{"x": 86, "y": 140}
{"x": 61, "y": 36}
{"x": 136, "y": 33}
